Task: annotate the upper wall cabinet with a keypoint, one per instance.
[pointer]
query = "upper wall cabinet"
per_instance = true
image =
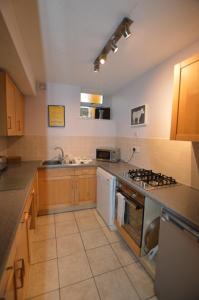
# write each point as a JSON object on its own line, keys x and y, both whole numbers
{"x": 11, "y": 107}
{"x": 185, "y": 115}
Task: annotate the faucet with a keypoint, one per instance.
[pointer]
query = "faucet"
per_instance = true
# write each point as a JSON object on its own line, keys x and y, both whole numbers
{"x": 61, "y": 156}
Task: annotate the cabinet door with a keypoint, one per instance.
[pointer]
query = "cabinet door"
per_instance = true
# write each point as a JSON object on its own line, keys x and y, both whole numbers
{"x": 185, "y": 120}
{"x": 7, "y": 284}
{"x": 56, "y": 192}
{"x": 10, "y": 107}
{"x": 85, "y": 189}
{"x": 22, "y": 258}
{"x": 19, "y": 104}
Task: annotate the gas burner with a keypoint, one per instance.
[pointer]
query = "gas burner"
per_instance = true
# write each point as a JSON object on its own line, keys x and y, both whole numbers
{"x": 149, "y": 179}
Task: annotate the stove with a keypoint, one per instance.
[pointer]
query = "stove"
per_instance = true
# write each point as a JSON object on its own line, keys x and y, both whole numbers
{"x": 148, "y": 180}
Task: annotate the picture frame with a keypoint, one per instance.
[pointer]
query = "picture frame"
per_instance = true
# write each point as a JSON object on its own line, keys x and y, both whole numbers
{"x": 56, "y": 115}
{"x": 139, "y": 116}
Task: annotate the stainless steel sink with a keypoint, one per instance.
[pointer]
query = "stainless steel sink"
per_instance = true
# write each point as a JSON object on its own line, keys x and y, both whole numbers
{"x": 51, "y": 162}
{"x": 71, "y": 162}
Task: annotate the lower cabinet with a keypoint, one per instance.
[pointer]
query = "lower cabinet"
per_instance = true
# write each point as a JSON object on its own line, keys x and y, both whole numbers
{"x": 14, "y": 282}
{"x": 61, "y": 188}
{"x": 85, "y": 189}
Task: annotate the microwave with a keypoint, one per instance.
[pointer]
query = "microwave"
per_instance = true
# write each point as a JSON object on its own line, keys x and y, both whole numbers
{"x": 108, "y": 154}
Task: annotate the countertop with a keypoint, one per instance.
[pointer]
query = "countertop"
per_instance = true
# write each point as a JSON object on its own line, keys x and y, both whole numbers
{"x": 20, "y": 177}
{"x": 180, "y": 199}
{"x": 16, "y": 181}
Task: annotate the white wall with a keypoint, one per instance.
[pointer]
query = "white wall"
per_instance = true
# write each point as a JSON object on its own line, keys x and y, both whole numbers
{"x": 60, "y": 94}
{"x": 155, "y": 89}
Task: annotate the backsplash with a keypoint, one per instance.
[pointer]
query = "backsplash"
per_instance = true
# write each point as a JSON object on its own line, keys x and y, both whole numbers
{"x": 173, "y": 158}
{"x": 42, "y": 147}
{"x": 3, "y": 146}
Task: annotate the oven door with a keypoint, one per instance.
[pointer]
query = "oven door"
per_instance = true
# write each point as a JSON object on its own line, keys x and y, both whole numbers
{"x": 133, "y": 220}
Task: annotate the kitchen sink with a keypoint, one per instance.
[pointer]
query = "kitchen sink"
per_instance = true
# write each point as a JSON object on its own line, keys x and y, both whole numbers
{"x": 51, "y": 162}
{"x": 72, "y": 162}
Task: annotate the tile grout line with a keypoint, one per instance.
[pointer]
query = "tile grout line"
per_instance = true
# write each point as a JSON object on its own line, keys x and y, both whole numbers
{"x": 57, "y": 260}
{"x": 132, "y": 283}
{"x": 89, "y": 263}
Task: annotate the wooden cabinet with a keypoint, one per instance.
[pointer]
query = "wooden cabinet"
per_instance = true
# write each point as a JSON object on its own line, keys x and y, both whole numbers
{"x": 22, "y": 258}
{"x": 8, "y": 284}
{"x": 11, "y": 107}
{"x": 19, "y": 99}
{"x": 60, "y": 188}
{"x": 14, "y": 282}
{"x": 185, "y": 115}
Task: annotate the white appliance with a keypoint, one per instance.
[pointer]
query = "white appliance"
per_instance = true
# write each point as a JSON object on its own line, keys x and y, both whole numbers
{"x": 106, "y": 186}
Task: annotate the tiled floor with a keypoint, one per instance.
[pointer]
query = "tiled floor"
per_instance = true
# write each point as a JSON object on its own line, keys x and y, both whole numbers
{"x": 76, "y": 257}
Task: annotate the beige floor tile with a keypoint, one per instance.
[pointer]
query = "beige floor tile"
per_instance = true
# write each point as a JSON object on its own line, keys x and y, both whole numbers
{"x": 115, "y": 285}
{"x": 43, "y": 232}
{"x": 102, "y": 260}
{"x": 43, "y": 250}
{"x": 73, "y": 268}
{"x": 87, "y": 223}
{"x": 43, "y": 278}
{"x": 49, "y": 296}
{"x": 69, "y": 244}
{"x": 123, "y": 253}
{"x": 94, "y": 238}
{"x": 141, "y": 280}
{"x": 83, "y": 213}
{"x": 45, "y": 220}
{"x": 66, "y": 228}
{"x": 63, "y": 217}
{"x": 99, "y": 219}
{"x": 85, "y": 290}
{"x": 112, "y": 236}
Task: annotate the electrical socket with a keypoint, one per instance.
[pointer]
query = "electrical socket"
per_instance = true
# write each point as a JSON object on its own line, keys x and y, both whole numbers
{"x": 136, "y": 149}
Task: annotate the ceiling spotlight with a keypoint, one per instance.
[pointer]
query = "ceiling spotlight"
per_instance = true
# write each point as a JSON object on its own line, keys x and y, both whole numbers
{"x": 96, "y": 67}
{"x": 102, "y": 59}
{"x": 114, "y": 47}
{"x": 126, "y": 32}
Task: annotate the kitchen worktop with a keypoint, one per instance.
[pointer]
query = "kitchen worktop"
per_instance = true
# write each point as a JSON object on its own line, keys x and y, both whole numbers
{"x": 16, "y": 181}
{"x": 17, "y": 177}
{"x": 182, "y": 200}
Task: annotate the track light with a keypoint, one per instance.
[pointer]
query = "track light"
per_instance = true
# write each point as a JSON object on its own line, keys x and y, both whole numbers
{"x": 103, "y": 59}
{"x": 126, "y": 32}
{"x": 114, "y": 47}
{"x": 96, "y": 66}
{"x": 123, "y": 29}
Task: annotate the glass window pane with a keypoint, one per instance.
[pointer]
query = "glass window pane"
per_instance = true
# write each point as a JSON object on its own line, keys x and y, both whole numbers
{"x": 91, "y": 98}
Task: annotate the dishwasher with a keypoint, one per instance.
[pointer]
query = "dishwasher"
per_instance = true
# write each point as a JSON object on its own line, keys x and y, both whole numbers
{"x": 106, "y": 186}
{"x": 177, "y": 272}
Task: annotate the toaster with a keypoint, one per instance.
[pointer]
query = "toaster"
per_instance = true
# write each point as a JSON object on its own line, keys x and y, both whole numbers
{"x": 3, "y": 162}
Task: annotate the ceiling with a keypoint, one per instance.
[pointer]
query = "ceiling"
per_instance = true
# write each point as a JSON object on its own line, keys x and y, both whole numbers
{"x": 63, "y": 38}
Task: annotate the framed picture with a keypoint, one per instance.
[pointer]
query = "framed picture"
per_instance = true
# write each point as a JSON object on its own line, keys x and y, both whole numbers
{"x": 56, "y": 116}
{"x": 139, "y": 116}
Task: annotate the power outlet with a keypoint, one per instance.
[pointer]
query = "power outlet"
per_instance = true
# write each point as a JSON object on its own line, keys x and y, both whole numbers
{"x": 136, "y": 149}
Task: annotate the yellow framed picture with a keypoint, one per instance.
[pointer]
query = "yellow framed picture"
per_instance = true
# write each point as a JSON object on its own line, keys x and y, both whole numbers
{"x": 56, "y": 116}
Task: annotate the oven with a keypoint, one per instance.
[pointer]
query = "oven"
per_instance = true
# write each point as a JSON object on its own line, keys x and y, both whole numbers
{"x": 131, "y": 226}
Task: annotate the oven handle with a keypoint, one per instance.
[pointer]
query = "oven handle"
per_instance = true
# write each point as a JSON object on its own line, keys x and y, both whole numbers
{"x": 131, "y": 201}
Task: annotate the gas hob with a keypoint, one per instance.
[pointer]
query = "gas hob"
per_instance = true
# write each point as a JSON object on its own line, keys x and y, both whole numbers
{"x": 149, "y": 180}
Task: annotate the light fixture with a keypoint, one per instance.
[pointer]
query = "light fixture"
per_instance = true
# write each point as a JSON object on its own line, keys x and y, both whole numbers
{"x": 96, "y": 66}
{"x": 122, "y": 30}
{"x": 102, "y": 58}
{"x": 114, "y": 47}
{"x": 126, "y": 32}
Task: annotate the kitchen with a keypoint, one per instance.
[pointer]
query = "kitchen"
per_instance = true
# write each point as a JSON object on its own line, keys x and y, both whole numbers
{"x": 75, "y": 255}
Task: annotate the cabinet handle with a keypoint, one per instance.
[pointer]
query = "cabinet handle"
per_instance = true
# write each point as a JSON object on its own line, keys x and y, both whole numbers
{"x": 9, "y": 122}
{"x": 19, "y": 273}
{"x": 25, "y": 218}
